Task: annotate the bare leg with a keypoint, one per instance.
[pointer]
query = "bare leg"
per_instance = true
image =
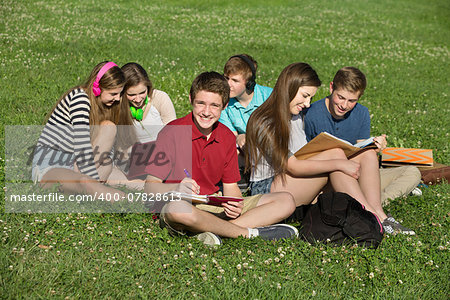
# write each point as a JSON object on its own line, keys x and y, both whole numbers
{"x": 117, "y": 178}
{"x": 102, "y": 144}
{"x": 184, "y": 216}
{"x": 303, "y": 189}
{"x": 74, "y": 182}
{"x": 369, "y": 180}
{"x": 271, "y": 209}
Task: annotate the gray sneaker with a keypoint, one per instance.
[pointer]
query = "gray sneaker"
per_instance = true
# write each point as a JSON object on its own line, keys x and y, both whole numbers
{"x": 209, "y": 238}
{"x": 277, "y": 232}
{"x": 392, "y": 226}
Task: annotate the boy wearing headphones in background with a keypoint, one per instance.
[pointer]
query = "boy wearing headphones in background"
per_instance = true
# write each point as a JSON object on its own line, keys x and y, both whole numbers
{"x": 245, "y": 94}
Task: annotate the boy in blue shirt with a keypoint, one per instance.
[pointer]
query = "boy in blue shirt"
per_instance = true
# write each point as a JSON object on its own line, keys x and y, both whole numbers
{"x": 341, "y": 115}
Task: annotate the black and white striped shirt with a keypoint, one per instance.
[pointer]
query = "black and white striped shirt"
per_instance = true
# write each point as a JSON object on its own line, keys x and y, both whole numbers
{"x": 67, "y": 129}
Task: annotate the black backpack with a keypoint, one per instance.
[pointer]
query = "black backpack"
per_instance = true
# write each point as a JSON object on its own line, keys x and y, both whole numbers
{"x": 338, "y": 218}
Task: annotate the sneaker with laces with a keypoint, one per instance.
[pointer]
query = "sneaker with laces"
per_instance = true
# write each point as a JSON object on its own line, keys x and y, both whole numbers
{"x": 209, "y": 238}
{"x": 392, "y": 226}
{"x": 277, "y": 232}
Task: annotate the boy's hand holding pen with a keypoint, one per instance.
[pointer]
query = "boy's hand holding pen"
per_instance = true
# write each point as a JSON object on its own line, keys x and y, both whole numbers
{"x": 188, "y": 185}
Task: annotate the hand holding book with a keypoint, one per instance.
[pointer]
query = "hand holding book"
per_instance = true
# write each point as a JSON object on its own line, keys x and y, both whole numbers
{"x": 325, "y": 141}
{"x": 233, "y": 209}
{"x": 205, "y": 199}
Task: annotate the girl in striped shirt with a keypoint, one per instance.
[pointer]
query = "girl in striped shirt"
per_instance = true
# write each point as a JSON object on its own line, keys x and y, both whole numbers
{"x": 75, "y": 144}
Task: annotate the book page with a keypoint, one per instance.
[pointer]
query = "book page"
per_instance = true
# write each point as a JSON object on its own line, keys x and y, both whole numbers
{"x": 365, "y": 143}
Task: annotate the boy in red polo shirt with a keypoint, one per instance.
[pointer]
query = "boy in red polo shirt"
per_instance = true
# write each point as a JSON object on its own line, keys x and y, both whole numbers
{"x": 214, "y": 161}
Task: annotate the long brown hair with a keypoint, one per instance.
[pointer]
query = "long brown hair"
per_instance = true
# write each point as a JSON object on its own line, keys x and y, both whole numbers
{"x": 112, "y": 79}
{"x": 268, "y": 128}
{"x": 134, "y": 75}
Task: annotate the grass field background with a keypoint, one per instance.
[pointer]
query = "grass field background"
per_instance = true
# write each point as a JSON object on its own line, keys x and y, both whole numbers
{"x": 402, "y": 47}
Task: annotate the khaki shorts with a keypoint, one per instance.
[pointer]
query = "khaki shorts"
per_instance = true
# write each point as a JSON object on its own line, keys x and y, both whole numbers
{"x": 249, "y": 203}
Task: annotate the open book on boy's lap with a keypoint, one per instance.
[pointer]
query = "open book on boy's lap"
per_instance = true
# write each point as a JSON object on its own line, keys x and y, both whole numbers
{"x": 204, "y": 199}
{"x": 326, "y": 141}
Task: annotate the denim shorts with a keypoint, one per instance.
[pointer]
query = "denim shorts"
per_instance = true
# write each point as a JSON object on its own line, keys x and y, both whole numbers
{"x": 261, "y": 187}
{"x": 46, "y": 158}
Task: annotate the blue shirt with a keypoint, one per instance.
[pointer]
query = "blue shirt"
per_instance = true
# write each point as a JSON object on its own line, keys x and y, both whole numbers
{"x": 235, "y": 116}
{"x": 354, "y": 126}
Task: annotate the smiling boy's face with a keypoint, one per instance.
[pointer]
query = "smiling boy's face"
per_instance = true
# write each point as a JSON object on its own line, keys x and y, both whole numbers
{"x": 206, "y": 109}
{"x": 341, "y": 101}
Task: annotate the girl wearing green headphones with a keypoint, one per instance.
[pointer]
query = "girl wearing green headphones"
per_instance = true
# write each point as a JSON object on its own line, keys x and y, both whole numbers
{"x": 150, "y": 108}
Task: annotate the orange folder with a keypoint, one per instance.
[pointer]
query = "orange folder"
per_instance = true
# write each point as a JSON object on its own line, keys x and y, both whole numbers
{"x": 407, "y": 156}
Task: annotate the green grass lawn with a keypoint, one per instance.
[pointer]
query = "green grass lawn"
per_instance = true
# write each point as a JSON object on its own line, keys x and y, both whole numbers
{"x": 403, "y": 48}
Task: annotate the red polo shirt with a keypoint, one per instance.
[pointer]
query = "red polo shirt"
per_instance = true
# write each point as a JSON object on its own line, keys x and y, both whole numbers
{"x": 213, "y": 160}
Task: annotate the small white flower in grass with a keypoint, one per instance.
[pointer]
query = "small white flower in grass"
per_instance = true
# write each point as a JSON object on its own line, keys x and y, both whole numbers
{"x": 278, "y": 285}
{"x": 313, "y": 293}
{"x": 371, "y": 275}
{"x": 175, "y": 256}
{"x": 238, "y": 266}
{"x": 400, "y": 281}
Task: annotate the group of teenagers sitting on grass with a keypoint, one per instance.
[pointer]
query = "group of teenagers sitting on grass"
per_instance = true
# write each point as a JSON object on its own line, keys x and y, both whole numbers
{"x": 234, "y": 121}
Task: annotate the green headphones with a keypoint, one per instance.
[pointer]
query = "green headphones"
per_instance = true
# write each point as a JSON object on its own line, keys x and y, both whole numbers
{"x": 138, "y": 113}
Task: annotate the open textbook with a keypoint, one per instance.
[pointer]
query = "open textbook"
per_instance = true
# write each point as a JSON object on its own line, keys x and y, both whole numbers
{"x": 325, "y": 141}
{"x": 204, "y": 199}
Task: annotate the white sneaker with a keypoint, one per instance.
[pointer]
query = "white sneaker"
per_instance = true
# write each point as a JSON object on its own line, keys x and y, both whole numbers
{"x": 416, "y": 192}
{"x": 209, "y": 238}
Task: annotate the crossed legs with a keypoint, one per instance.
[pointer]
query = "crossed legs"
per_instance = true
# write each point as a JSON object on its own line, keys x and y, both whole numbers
{"x": 270, "y": 209}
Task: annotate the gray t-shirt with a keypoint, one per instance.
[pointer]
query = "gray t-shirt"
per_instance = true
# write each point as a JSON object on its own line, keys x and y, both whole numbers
{"x": 297, "y": 139}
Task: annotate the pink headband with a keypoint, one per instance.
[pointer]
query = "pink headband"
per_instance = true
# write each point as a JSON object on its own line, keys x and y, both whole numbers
{"x": 95, "y": 87}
